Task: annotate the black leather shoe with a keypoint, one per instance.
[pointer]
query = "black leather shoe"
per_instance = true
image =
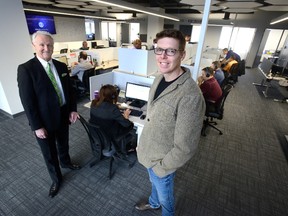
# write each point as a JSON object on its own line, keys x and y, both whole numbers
{"x": 144, "y": 207}
{"x": 54, "y": 189}
{"x": 72, "y": 166}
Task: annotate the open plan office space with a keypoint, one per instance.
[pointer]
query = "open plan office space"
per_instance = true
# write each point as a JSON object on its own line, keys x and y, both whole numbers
{"x": 244, "y": 171}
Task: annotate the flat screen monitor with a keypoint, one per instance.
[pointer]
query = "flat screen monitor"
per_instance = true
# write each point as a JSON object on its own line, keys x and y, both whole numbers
{"x": 62, "y": 59}
{"x": 266, "y": 66}
{"x": 94, "y": 45}
{"x": 137, "y": 93}
{"x": 40, "y": 23}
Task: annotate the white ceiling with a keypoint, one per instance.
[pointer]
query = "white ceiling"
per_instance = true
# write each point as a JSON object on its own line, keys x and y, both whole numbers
{"x": 183, "y": 9}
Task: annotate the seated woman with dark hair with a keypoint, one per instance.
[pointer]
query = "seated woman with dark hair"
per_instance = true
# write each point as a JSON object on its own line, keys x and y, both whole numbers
{"x": 105, "y": 113}
{"x": 210, "y": 88}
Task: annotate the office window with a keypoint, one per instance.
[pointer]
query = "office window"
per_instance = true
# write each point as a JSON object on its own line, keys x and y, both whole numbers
{"x": 108, "y": 31}
{"x": 134, "y": 31}
{"x": 225, "y": 37}
{"x": 89, "y": 26}
{"x": 241, "y": 40}
{"x": 195, "y": 33}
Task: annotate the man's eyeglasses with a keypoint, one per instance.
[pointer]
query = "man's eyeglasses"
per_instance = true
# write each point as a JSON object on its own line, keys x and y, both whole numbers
{"x": 168, "y": 52}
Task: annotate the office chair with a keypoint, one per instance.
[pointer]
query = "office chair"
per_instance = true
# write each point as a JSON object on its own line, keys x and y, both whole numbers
{"x": 234, "y": 73}
{"x": 83, "y": 88}
{"x": 241, "y": 67}
{"x": 104, "y": 146}
{"x": 217, "y": 113}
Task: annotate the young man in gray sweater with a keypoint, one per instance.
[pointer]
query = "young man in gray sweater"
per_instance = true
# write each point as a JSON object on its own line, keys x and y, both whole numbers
{"x": 173, "y": 123}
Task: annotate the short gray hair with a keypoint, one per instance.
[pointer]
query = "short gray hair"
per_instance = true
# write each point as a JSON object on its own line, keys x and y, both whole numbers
{"x": 41, "y": 33}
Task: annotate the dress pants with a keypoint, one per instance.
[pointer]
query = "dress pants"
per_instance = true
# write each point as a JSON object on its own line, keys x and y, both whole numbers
{"x": 54, "y": 146}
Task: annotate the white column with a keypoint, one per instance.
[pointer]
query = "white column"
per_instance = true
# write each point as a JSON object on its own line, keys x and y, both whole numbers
{"x": 16, "y": 48}
{"x": 201, "y": 41}
{"x": 155, "y": 25}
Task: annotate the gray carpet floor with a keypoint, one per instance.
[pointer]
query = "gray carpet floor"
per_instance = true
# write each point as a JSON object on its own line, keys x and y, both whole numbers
{"x": 242, "y": 172}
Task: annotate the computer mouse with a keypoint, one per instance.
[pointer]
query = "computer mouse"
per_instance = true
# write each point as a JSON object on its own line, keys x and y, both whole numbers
{"x": 142, "y": 117}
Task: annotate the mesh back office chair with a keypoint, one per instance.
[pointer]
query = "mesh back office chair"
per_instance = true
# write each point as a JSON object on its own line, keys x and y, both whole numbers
{"x": 231, "y": 77}
{"x": 218, "y": 112}
{"x": 83, "y": 88}
{"x": 234, "y": 72}
{"x": 103, "y": 145}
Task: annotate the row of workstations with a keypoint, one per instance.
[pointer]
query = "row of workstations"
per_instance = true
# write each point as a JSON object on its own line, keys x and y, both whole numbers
{"x": 137, "y": 69}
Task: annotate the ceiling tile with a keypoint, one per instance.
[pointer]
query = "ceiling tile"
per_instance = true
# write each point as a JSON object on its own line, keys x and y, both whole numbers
{"x": 239, "y": 10}
{"x": 201, "y": 8}
{"x": 87, "y": 9}
{"x": 39, "y": 2}
{"x": 241, "y": 4}
{"x": 275, "y": 8}
{"x": 95, "y": 6}
{"x": 197, "y": 2}
{"x": 77, "y": 3}
{"x": 277, "y": 2}
{"x": 64, "y": 6}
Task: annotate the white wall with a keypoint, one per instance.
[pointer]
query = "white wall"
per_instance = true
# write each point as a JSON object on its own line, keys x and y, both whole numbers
{"x": 16, "y": 49}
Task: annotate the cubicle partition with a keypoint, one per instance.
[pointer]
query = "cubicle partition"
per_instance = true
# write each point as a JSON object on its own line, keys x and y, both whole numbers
{"x": 137, "y": 61}
{"x": 116, "y": 78}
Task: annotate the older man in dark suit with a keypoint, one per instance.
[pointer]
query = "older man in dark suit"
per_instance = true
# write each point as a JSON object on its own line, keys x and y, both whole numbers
{"x": 49, "y": 103}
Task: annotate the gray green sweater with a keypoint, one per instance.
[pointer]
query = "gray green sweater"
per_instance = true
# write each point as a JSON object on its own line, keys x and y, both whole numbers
{"x": 173, "y": 125}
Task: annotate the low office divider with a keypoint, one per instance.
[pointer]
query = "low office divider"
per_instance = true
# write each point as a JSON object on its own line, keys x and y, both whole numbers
{"x": 117, "y": 78}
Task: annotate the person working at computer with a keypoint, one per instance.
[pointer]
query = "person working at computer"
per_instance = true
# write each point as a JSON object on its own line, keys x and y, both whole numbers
{"x": 78, "y": 68}
{"x": 105, "y": 113}
{"x": 227, "y": 56}
{"x": 218, "y": 73}
{"x": 84, "y": 46}
{"x": 210, "y": 88}
{"x": 137, "y": 44}
{"x": 173, "y": 122}
{"x": 227, "y": 67}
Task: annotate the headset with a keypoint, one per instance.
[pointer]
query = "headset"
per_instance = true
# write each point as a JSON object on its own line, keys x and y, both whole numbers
{"x": 208, "y": 74}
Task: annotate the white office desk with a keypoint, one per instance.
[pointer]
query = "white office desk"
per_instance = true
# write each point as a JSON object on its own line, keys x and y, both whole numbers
{"x": 139, "y": 123}
{"x": 107, "y": 65}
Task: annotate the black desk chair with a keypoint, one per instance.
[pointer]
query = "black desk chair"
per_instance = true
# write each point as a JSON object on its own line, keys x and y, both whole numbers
{"x": 83, "y": 88}
{"x": 104, "y": 146}
{"x": 217, "y": 112}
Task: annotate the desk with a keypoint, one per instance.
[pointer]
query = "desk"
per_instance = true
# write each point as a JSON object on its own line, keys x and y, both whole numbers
{"x": 266, "y": 82}
{"x": 139, "y": 123}
{"x": 107, "y": 64}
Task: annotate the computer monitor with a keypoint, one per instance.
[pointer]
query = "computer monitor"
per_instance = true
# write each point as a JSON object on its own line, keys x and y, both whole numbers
{"x": 63, "y": 59}
{"x": 94, "y": 45}
{"x": 137, "y": 93}
{"x": 266, "y": 66}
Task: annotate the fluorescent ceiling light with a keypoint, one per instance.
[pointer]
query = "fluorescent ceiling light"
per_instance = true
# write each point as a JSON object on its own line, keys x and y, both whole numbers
{"x": 279, "y": 19}
{"x": 70, "y": 14}
{"x": 134, "y": 7}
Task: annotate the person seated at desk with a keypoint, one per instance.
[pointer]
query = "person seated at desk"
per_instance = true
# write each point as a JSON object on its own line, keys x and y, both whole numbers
{"x": 227, "y": 56}
{"x": 210, "y": 88}
{"x": 218, "y": 73}
{"x": 228, "y": 66}
{"x": 78, "y": 68}
{"x": 103, "y": 108}
{"x": 137, "y": 44}
{"x": 84, "y": 46}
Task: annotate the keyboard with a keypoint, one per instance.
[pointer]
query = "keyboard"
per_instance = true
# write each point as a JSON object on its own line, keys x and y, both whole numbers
{"x": 136, "y": 112}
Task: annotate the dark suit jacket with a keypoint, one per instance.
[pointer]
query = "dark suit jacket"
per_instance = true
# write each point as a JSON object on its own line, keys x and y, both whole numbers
{"x": 110, "y": 119}
{"x": 39, "y": 98}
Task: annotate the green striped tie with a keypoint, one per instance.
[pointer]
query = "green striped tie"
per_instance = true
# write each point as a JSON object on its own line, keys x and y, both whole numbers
{"x": 53, "y": 80}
